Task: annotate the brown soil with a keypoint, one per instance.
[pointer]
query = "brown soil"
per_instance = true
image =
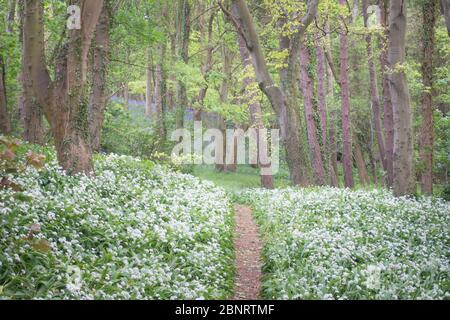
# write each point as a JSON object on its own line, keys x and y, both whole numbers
{"x": 248, "y": 255}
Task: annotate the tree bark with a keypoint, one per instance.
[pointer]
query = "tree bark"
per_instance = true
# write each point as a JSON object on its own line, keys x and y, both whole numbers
{"x": 307, "y": 89}
{"x": 64, "y": 100}
{"x": 30, "y": 111}
{"x": 345, "y": 96}
{"x": 445, "y": 9}
{"x": 322, "y": 106}
{"x": 205, "y": 68}
{"x": 426, "y": 131}
{"x": 159, "y": 119}
{"x": 373, "y": 89}
{"x": 255, "y": 114}
{"x": 224, "y": 90}
{"x": 98, "y": 97}
{"x": 403, "y": 135}
{"x": 183, "y": 32}
{"x": 5, "y": 125}
{"x": 360, "y": 163}
{"x": 148, "y": 88}
{"x": 387, "y": 100}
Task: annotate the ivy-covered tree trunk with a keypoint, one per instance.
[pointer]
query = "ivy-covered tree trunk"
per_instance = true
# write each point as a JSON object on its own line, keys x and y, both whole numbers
{"x": 307, "y": 89}
{"x": 97, "y": 103}
{"x": 403, "y": 134}
{"x": 387, "y": 101}
{"x": 345, "y": 97}
{"x": 426, "y": 132}
{"x": 65, "y": 99}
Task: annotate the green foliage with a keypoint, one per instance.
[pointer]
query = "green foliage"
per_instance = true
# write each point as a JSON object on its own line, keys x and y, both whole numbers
{"x": 124, "y": 134}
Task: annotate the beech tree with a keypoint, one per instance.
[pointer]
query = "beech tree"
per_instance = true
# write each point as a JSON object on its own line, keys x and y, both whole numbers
{"x": 403, "y": 183}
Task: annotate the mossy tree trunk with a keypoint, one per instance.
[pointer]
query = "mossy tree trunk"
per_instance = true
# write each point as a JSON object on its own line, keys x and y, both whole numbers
{"x": 64, "y": 100}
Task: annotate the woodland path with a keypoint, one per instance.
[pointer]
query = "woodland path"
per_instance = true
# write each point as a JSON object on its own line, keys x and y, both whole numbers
{"x": 248, "y": 247}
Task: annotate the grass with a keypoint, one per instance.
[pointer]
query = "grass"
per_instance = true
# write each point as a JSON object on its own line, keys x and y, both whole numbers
{"x": 245, "y": 177}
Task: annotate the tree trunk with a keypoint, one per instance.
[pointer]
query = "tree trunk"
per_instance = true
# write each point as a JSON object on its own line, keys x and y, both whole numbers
{"x": 31, "y": 114}
{"x": 387, "y": 100}
{"x": 403, "y": 135}
{"x": 373, "y": 89}
{"x": 333, "y": 149}
{"x": 98, "y": 99}
{"x": 64, "y": 100}
{"x": 159, "y": 119}
{"x": 183, "y": 32}
{"x": 307, "y": 89}
{"x": 322, "y": 105}
{"x": 360, "y": 163}
{"x": 148, "y": 88}
{"x": 224, "y": 90}
{"x": 255, "y": 114}
{"x": 445, "y": 9}
{"x": 5, "y": 125}
{"x": 345, "y": 96}
{"x": 426, "y": 131}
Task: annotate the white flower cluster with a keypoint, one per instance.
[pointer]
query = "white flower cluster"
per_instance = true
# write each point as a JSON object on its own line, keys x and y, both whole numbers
{"x": 327, "y": 243}
{"x": 134, "y": 232}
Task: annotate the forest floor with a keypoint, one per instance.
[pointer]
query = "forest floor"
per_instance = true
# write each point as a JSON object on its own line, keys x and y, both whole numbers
{"x": 248, "y": 255}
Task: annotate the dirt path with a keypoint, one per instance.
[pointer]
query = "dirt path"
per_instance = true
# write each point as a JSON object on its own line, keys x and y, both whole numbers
{"x": 248, "y": 255}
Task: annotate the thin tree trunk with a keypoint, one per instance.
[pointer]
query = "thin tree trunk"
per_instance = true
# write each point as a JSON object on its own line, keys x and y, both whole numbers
{"x": 387, "y": 100}
{"x": 98, "y": 99}
{"x": 5, "y": 125}
{"x": 345, "y": 96}
{"x": 183, "y": 31}
{"x": 255, "y": 114}
{"x": 159, "y": 104}
{"x": 360, "y": 163}
{"x": 307, "y": 88}
{"x": 403, "y": 135}
{"x": 373, "y": 89}
{"x": 322, "y": 105}
{"x": 148, "y": 88}
{"x": 445, "y": 9}
{"x": 333, "y": 148}
{"x": 224, "y": 90}
{"x": 426, "y": 131}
